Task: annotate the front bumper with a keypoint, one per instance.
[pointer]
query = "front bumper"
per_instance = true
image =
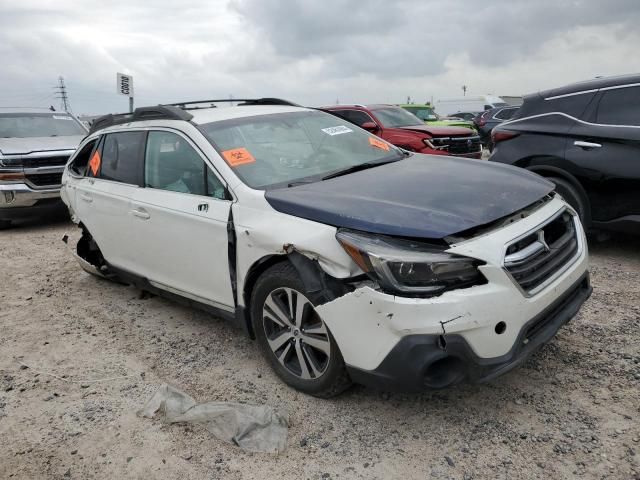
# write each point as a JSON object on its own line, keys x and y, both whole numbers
{"x": 420, "y": 362}
{"x": 19, "y": 200}
{"x": 486, "y": 321}
{"x": 429, "y": 151}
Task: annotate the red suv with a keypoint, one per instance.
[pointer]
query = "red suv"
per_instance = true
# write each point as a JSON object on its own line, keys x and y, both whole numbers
{"x": 405, "y": 130}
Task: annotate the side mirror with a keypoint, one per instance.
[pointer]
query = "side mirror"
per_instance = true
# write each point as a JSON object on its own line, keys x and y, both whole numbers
{"x": 369, "y": 126}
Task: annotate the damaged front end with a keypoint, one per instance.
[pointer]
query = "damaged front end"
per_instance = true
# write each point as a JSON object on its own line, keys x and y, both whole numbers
{"x": 420, "y": 362}
{"x": 410, "y": 268}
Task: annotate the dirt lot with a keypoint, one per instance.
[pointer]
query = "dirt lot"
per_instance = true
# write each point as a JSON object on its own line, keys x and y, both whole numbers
{"x": 572, "y": 410}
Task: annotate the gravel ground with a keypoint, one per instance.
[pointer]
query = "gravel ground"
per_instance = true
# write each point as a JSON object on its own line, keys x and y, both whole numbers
{"x": 572, "y": 410}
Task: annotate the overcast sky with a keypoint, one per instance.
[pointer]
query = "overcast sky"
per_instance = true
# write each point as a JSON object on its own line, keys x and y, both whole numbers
{"x": 311, "y": 52}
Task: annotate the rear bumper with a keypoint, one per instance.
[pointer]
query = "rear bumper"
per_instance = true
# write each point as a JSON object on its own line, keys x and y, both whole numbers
{"x": 18, "y": 200}
{"x": 422, "y": 362}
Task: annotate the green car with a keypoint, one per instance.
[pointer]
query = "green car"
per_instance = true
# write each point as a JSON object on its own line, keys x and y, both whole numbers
{"x": 427, "y": 114}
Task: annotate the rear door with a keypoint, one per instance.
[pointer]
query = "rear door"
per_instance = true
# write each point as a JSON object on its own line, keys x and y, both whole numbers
{"x": 606, "y": 153}
{"x": 103, "y": 197}
{"x": 179, "y": 232}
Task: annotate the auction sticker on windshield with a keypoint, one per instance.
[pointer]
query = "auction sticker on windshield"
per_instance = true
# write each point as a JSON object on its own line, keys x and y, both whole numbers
{"x": 238, "y": 156}
{"x": 336, "y": 130}
{"x": 374, "y": 142}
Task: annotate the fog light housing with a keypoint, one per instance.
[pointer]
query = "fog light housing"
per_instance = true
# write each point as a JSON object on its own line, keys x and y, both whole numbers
{"x": 9, "y": 196}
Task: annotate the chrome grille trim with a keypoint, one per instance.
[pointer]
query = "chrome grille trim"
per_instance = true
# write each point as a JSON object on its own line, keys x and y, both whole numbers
{"x": 536, "y": 265}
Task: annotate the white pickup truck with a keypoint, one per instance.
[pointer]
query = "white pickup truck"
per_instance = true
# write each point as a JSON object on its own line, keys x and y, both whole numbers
{"x": 35, "y": 144}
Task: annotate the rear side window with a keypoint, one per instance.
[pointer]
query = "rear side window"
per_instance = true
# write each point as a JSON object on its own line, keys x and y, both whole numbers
{"x": 354, "y": 116}
{"x": 620, "y": 106}
{"x": 122, "y": 157}
{"x": 505, "y": 113}
{"x": 81, "y": 161}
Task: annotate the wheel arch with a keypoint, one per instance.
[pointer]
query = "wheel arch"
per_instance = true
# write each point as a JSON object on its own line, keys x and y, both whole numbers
{"x": 320, "y": 286}
{"x": 554, "y": 171}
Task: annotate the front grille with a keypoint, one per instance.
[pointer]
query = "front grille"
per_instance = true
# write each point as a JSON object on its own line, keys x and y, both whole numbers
{"x": 35, "y": 162}
{"x": 538, "y": 257}
{"x": 458, "y": 145}
{"x": 45, "y": 179}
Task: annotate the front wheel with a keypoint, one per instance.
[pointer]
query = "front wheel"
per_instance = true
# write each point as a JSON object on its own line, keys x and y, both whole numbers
{"x": 293, "y": 337}
{"x": 572, "y": 196}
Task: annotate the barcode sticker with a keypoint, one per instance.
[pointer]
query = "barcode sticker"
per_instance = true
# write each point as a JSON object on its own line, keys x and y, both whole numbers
{"x": 337, "y": 130}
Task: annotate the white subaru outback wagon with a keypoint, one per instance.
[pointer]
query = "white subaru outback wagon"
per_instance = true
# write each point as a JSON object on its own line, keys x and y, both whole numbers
{"x": 346, "y": 258}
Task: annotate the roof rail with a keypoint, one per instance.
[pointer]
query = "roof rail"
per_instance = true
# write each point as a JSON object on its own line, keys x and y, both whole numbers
{"x": 194, "y": 105}
{"x": 160, "y": 112}
{"x": 176, "y": 111}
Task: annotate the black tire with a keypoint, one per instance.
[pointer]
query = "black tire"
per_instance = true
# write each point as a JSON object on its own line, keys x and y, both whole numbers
{"x": 4, "y": 224}
{"x": 334, "y": 379}
{"x": 573, "y": 197}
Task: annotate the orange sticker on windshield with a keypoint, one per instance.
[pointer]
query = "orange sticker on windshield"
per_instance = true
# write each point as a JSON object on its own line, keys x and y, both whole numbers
{"x": 238, "y": 156}
{"x": 374, "y": 142}
{"x": 94, "y": 163}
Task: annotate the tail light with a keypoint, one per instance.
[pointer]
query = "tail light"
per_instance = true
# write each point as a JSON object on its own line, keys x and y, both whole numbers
{"x": 481, "y": 120}
{"x": 502, "y": 135}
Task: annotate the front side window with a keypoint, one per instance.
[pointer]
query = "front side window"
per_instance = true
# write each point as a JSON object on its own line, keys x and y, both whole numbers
{"x": 270, "y": 151}
{"x": 25, "y": 125}
{"x": 620, "y": 106}
{"x": 172, "y": 164}
{"x": 392, "y": 117}
{"x": 121, "y": 157}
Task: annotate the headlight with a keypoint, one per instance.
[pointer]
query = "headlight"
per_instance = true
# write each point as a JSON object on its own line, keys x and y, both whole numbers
{"x": 409, "y": 267}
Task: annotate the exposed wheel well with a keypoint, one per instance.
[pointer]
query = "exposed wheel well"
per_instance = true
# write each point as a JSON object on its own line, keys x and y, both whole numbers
{"x": 249, "y": 282}
{"x": 320, "y": 287}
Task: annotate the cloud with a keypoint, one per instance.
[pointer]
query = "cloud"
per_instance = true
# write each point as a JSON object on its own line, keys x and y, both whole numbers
{"x": 310, "y": 52}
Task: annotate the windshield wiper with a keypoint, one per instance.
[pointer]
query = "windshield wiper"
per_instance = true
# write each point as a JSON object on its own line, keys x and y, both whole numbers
{"x": 300, "y": 182}
{"x": 357, "y": 168}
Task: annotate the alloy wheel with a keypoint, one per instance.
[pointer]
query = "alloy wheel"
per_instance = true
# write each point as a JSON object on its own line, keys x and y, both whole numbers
{"x": 296, "y": 334}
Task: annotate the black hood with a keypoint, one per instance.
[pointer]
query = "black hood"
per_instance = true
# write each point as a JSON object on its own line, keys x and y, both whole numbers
{"x": 424, "y": 196}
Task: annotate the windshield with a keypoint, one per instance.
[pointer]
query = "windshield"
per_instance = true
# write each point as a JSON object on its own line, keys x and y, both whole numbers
{"x": 396, "y": 117}
{"x": 423, "y": 113}
{"x": 22, "y": 125}
{"x": 269, "y": 151}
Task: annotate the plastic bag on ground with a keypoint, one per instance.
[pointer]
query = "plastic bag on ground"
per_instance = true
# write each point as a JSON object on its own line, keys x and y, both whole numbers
{"x": 251, "y": 427}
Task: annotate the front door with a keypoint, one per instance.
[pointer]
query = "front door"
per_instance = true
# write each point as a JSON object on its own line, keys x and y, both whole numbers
{"x": 180, "y": 222}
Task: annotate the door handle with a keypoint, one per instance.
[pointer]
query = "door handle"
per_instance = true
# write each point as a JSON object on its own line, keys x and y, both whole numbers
{"x": 587, "y": 145}
{"x": 140, "y": 214}
{"x": 203, "y": 207}
{"x": 86, "y": 198}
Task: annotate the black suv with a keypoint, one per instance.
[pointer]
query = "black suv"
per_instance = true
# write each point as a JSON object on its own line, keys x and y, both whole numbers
{"x": 584, "y": 137}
